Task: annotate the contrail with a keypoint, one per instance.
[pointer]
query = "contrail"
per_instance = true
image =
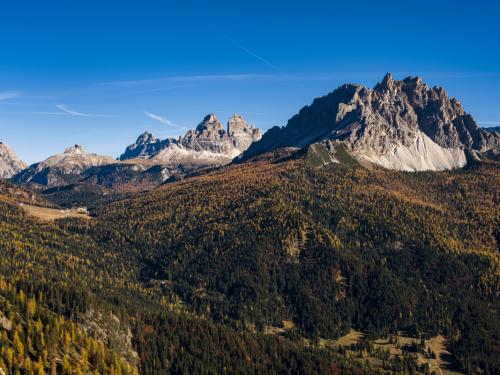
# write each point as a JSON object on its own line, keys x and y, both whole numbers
{"x": 164, "y": 120}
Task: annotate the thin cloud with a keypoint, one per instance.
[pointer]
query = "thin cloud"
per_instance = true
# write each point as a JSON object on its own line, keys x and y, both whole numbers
{"x": 6, "y": 95}
{"x": 245, "y": 49}
{"x": 253, "y": 54}
{"x": 188, "y": 78}
{"x": 164, "y": 120}
{"x": 66, "y": 111}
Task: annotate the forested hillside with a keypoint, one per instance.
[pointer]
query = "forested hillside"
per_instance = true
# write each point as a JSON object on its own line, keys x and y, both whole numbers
{"x": 75, "y": 304}
{"x": 329, "y": 249}
{"x": 202, "y": 270}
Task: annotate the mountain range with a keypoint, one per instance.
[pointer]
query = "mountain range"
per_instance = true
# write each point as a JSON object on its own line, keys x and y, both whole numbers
{"x": 399, "y": 124}
{"x": 209, "y": 143}
{"x": 146, "y": 163}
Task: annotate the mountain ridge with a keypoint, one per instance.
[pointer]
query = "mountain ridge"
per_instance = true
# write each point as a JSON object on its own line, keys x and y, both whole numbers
{"x": 209, "y": 136}
{"x": 62, "y": 168}
{"x": 399, "y": 124}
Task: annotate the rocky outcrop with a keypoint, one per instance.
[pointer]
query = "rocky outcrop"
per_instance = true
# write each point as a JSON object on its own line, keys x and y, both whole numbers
{"x": 208, "y": 145}
{"x": 402, "y": 125}
{"x": 210, "y": 136}
{"x": 147, "y": 144}
{"x": 63, "y": 168}
{"x": 444, "y": 119}
{"x": 146, "y": 163}
{"x": 242, "y": 134}
{"x": 10, "y": 164}
{"x": 209, "y": 140}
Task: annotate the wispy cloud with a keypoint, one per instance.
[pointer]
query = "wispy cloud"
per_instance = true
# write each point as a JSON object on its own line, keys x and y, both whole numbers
{"x": 251, "y": 53}
{"x": 245, "y": 49}
{"x": 6, "y": 95}
{"x": 188, "y": 78}
{"x": 64, "y": 110}
{"x": 164, "y": 120}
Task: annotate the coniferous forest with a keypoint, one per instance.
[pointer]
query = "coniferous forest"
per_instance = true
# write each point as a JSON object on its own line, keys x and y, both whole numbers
{"x": 258, "y": 268}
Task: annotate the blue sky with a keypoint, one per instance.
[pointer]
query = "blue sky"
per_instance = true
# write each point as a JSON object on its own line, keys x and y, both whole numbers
{"x": 99, "y": 73}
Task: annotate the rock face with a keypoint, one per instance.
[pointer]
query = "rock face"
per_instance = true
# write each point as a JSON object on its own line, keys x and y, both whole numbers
{"x": 242, "y": 134}
{"x": 210, "y": 136}
{"x": 10, "y": 164}
{"x": 146, "y": 163}
{"x": 61, "y": 169}
{"x": 209, "y": 144}
{"x": 403, "y": 125}
{"x": 146, "y": 144}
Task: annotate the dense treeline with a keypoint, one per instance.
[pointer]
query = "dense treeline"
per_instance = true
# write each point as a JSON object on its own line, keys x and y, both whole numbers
{"x": 179, "y": 344}
{"x": 68, "y": 300}
{"x": 35, "y": 340}
{"x": 329, "y": 249}
{"x": 213, "y": 261}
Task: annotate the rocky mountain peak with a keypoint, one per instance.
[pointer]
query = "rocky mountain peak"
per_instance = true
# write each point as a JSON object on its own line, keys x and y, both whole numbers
{"x": 400, "y": 124}
{"x": 74, "y": 150}
{"x": 10, "y": 164}
{"x": 387, "y": 81}
{"x": 145, "y": 145}
{"x": 242, "y": 134}
{"x": 210, "y": 123}
{"x": 236, "y": 118}
{"x": 209, "y": 144}
{"x": 62, "y": 168}
{"x": 144, "y": 138}
{"x": 413, "y": 80}
{"x": 209, "y": 136}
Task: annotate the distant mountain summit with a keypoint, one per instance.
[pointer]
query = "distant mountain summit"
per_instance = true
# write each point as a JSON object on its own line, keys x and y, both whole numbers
{"x": 208, "y": 144}
{"x": 399, "y": 124}
{"x": 10, "y": 164}
{"x": 63, "y": 168}
{"x": 146, "y": 145}
{"x": 242, "y": 134}
{"x": 145, "y": 164}
{"x": 493, "y": 129}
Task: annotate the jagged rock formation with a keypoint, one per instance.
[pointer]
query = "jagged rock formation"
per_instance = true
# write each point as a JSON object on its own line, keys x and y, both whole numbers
{"x": 146, "y": 163}
{"x": 403, "y": 125}
{"x": 209, "y": 136}
{"x": 207, "y": 145}
{"x": 10, "y": 164}
{"x": 242, "y": 134}
{"x": 147, "y": 144}
{"x": 63, "y": 168}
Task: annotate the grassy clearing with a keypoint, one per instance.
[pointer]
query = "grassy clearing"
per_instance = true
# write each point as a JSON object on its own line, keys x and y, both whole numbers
{"x": 48, "y": 214}
{"x": 439, "y": 363}
{"x": 353, "y": 337}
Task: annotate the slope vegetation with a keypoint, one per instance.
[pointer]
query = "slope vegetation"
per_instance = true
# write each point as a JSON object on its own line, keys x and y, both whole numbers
{"x": 73, "y": 301}
{"x": 328, "y": 248}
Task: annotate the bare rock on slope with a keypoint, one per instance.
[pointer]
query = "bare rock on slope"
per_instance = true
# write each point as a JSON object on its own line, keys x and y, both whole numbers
{"x": 10, "y": 164}
{"x": 63, "y": 168}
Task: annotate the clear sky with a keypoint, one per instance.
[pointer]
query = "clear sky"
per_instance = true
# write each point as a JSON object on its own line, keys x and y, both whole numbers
{"x": 99, "y": 73}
